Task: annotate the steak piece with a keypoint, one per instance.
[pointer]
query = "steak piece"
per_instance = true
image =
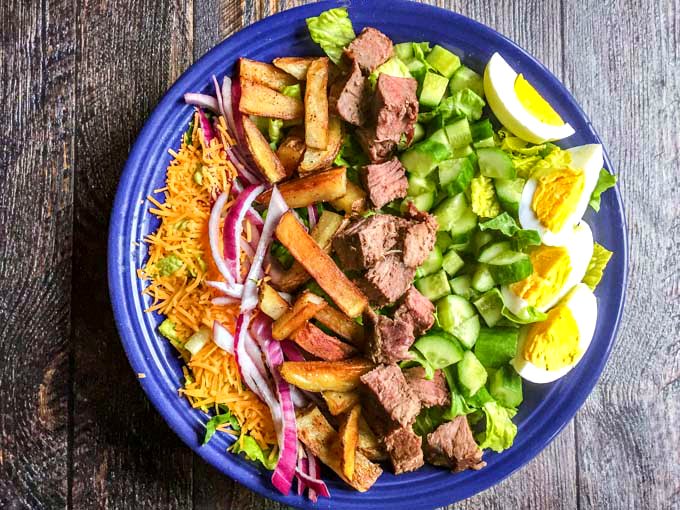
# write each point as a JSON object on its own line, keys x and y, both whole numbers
{"x": 366, "y": 241}
{"x": 417, "y": 310}
{"x": 353, "y": 97}
{"x": 370, "y": 49}
{"x": 386, "y": 387}
{"x": 430, "y": 393}
{"x": 418, "y": 238}
{"x": 387, "y": 280}
{"x": 378, "y": 151}
{"x": 388, "y": 340}
{"x": 384, "y": 182}
{"x": 395, "y": 107}
{"x": 405, "y": 449}
{"x": 453, "y": 446}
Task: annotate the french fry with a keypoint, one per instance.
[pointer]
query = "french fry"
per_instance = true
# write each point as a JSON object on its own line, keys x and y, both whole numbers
{"x": 320, "y": 266}
{"x": 339, "y": 402}
{"x": 341, "y": 325}
{"x": 263, "y": 155}
{"x": 291, "y": 151}
{"x": 316, "y": 104}
{"x": 369, "y": 445}
{"x": 325, "y": 375}
{"x": 265, "y": 74}
{"x": 321, "y": 345}
{"x": 257, "y": 99}
{"x": 320, "y": 159}
{"x": 295, "y": 66}
{"x": 271, "y": 303}
{"x": 310, "y": 189}
{"x": 295, "y": 317}
{"x": 352, "y": 202}
{"x": 323, "y": 441}
{"x": 349, "y": 438}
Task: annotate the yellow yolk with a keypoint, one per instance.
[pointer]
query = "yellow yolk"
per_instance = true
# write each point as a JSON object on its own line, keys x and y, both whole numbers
{"x": 554, "y": 343}
{"x": 557, "y": 195}
{"x": 552, "y": 266}
{"x": 538, "y": 107}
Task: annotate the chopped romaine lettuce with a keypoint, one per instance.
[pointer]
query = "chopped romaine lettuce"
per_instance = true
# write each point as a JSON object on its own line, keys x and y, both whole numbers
{"x": 604, "y": 182}
{"x": 253, "y": 451}
{"x": 459, "y": 405}
{"x": 483, "y": 197}
{"x": 506, "y": 225}
{"x": 428, "y": 420}
{"x": 528, "y": 314}
{"x": 351, "y": 156}
{"x": 168, "y": 265}
{"x": 393, "y": 67}
{"x": 467, "y": 103}
{"x": 216, "y": 421}
{"x": 596, "y": 266}
{"x": 500, "y": 430}
{"x": 274, "y": 131}
{"x": 292, "y": 91}
{"x": 332, "y": 30}
{"x": 167, "y": 329}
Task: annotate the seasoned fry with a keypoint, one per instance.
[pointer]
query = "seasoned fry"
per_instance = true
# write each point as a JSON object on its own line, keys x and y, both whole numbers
{"x": 316, "y": 104}
{"x": 325, "y": 375}
{"x": 320, "y": 159}
{"x": 257, "y": 99}
{"x": 320, "y": 266}
{"x": 271, "y": 303}
{"x": 321, "y": 345}
{"x": 352, "y": 202}
{"x": 295, "y": 66}
{"x": 369, "y": 444}
{"x": 323, "y": 441}
{"x": 342, "y": 325}
{"x": 310, "y": 189}
{"x": 349, "y": 437}
{"x": 265, "y": 74}
{"x": 339, "y": 402}
{"x": 295, "y": 317}
{"x": 291, "y": 151}
{"x": 262, "y": 153}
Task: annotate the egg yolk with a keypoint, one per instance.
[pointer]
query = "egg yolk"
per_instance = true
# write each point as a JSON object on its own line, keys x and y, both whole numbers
{"x": 533, "y": 102}
{"x": 554, "y": 343}
{"x": 557, "y": 194}
{"x": 552, "y": 266}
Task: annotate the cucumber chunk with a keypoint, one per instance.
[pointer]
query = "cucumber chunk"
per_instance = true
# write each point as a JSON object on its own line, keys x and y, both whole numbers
{"x": 471, "y": 374}
{"x": 417, "y": 184}
{"x": 450, "y": 210}
{"x": 459, "y": 133}
{"x": 510, "y": 267}
{"x": 490, "y": 307}
{"x": 424, "y": 156}
{"x": 466, "y": 78}
{"x": 443, "y": 240}
{"x": 434, "y": 286}
{"x": 496, "y": 347}
{"x": 481, "y": 130}
{"x": 480, "y": 240}
{"x": 462, "y": 286}
{"x": 452, "y": 262}
{"x": 418, "y": 132}
{"x": 509, "y": 192}
{"x": 404, "y": 51}
{"x": 482, "y": 144}
{"x": 443, "y": 61}
{"x": 432, "y": 92}
{"x": 482, "y": 279}
{"x": 440, "y": 349}
{"x": 468, "y": 331}
{"x": 495, "y": 163}
{"x": 452, "y": 311}
{"x": 491, "y": 251}
{"x": 505, "y": 385}
{"x": 455, "y": 175}
{"x": 423, "y": 202}
{"x": 465, "y": 224}
{"x": 432, "y": 263}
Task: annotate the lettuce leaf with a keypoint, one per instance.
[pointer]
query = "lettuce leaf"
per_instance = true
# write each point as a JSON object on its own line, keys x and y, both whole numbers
{"x": 604, "y": 182}
{"x": 459, "y": 405}
{"x": 168, "y": 265}
{"x": 428, "y": 420}
{"x": 483, "y": 197}
{"x": 332, "y": 30}
{"x": 527, "y": 315}
{"x": 500, "y": 431}
{"x": 167, "y": 329}
{"x": 596, "y": 266}
{"x": 527, "y": 158}
{"x": 275, "y": 132}
{"x": 464, "y": 103}
{"x": 351, "y": 156}
{"x": 506, "y": 225}
{"x": 253, "y": 451}
{"x": 216, "y": 421}
{"x": 292, "y": 91}
{"x": 393, "y": 67}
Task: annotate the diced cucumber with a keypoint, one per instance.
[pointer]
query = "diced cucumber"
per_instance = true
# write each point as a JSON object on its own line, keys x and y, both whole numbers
{"x": 505, "y": 385}
{"x": 434, "y": 286}
{"x": 452, "y": 311}
{"x": 448, "y": 212}
{"x": 481, "y": 130}
{"x": 482, "y": 279}
{"x": 465, "y": 224}
{"x": 462, "y": 286}
{"x": 443, "y": 240}
{"x": 490, "y": 307}
{"x": 455, "y": 175}
{"x": 443, "y": 61}
{"x": 510, "y": 267}
{"x": 465, "y": 152}
{"x": 509, "y": 192}
{"x": 423, "y": 202}
{"x": 432, "y": 263}
{"x": 468, "y": 331}
{"x": 458, "y": 133}
{"x": 466, "y": 78}
{"x": 496, "y": 347}
{"x": 493, "y": 250}
{"x": 440, "y": 349}
{"x": 417, "y": 68}
{"x": 495, "y": 163}
{"x": 424, "y": 156}
{"x": 404, "y": 51}
{"x": 462, "y": 238}
{"x": 418, "y": 184}
{"x": 471, "y": 374}
{"x": 434, "y": 87}
{"x": 439, "y": 136}
{"x": 480, "y": 240}
{"x": 483, "y": 144}
{"x": 452, "y": 262}
{"x": 461, "y": 246}
{"x": 418, "y": 132}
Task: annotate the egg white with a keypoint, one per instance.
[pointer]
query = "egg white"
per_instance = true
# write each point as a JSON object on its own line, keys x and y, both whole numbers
{"x": 585, "y": 157}
{"x": 579, "y": 246}
{"x": 583, "y": 306}
{"x": 499, "y": 88}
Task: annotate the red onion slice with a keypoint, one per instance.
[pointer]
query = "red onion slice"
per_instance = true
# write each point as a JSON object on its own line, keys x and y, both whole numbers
{"x": 227, "y": 103}
{"x": 313, "y": 216}
{"x": 202, "y": 101}
{"x": 208, "y": 133}
{"x": 234, "y": 291}
{"x": 222, "y": 338}
{"x": 214, "y": 236}
{"x": 315, "y": 485}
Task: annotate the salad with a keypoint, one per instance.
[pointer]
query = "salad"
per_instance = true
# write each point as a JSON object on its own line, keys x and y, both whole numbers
{"x": 362, "y": 257}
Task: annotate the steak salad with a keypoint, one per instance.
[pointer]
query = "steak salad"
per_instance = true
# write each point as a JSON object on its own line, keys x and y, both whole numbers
{"x": 358, "y": 267}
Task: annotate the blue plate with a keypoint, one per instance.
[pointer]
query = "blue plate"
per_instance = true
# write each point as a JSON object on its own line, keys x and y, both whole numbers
{"x": 546, "y": 409}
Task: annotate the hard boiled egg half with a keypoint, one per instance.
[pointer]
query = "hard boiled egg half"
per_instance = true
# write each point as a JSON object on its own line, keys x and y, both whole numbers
{"x": 557, "y": 269}
{"x": 519, "y": 107}
{"x": 554, "y": 200}
{"x": 548, "y": 350}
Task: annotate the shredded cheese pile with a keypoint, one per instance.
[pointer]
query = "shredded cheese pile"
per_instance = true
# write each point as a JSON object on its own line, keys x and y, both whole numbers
{"x": 195, "y": 177}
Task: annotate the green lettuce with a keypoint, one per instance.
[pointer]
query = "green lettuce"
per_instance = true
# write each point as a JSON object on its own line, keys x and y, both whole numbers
{"x": 596, "y": 266}
{"x": 527, "y": 315}
{"x": 332, "y": 30}
{"x": 168, "y": 265}
{"x": 483, "y": 197}
{"x": 459, "y": 405}
{"x": 167, "y": 329}
{"x": 253, "y": 451}
{"x": 428, "y": 420}
{"x": 500, "y": 431}
{"x": 604, "y": 182}
{"x": 464, "y": 103}
{"x": 216, "y": 421}
{"x": 292, "y": 91}
{"x": 506, "y": 225}
{"x": 275, "y": 132}
{"x": 352, "y": 157}
{"x": 393, "y": 67}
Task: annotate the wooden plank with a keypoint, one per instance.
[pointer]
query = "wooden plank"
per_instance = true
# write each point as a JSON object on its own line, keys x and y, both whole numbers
{"x": 37, "y": 75}
{"x": 627, "y": 431}
{"x": 124, "y": 455}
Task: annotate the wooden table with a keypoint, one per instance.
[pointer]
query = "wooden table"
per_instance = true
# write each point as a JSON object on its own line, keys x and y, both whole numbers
{"x": 78, "y": 79}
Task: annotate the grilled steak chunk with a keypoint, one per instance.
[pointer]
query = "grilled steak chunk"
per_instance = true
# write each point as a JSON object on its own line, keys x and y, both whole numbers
{"x": 366, "y": 241}
{"x": 384, "y": 182}
{"x": 378, "y": 150}
{"x": 405, "y": 449}
{"x": 395, "y": 107}
{"x": 453, "y": 446}
{"x": 418, "y": 238}
{"x": 430, "y": 393}
{"x": 370, "y": 49}
{"x": 388, "y": 340}
{"x": 417, "y": 310}
{"x": 387, "y": 280}
{"x": 386, "y": 388}
{"x": 353, "y": 97}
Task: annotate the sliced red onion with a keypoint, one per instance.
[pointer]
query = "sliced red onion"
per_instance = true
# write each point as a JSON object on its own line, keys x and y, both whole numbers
{"x": 245, "y": 246}
{"x": 291, "y": 351}
{"x": 228, "y": 104}
{"x": 247, "y": 174}
{"x": 222, "y": 338}
{"x": 236, "y": 112}
{"x": 313, "y": 216}
{"x": 276, "y": 270}
{"x": 202, "y": 101}
{"x": 315, "y": 473}
{"x": 250, "y": 373}
{"x": 214, "y": 236}
{"x": 220, "y": 102}
{"x": 208, "y": 132}
{"x": 303, "y": 467}
{"x": 255, "y": 219}
{"x": 315, "y": 485}
{"x": 234, "y": 291}
{"x": 224, "y": 301}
